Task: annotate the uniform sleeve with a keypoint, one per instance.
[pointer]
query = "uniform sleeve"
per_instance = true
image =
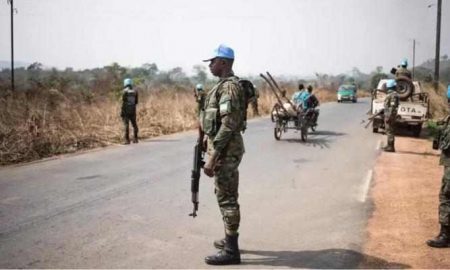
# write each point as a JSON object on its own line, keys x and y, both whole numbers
{"x": 137, "y": 98}
{"x": 124, "y": 98}
{"x": 230, "y": 114}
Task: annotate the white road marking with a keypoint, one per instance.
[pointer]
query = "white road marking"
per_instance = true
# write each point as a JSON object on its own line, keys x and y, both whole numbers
{"x": 365, "y": 186}
{"x": 378, "y": 145}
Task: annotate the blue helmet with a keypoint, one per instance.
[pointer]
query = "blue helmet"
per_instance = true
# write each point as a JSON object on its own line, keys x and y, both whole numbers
{"x": 199, "y": 87}
{"x": 391, "y": 84}
{"x": 222, "y": 51}
{"x": 404, "y": 63}
{"x": 127, "y": 82}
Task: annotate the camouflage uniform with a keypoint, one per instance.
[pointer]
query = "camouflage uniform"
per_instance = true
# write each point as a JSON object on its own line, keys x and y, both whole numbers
{"x": 390, "y": 113}
{"x": 254, "y": 102}
{"x": 444, "y": 195}
{"x": 402, "y": 71}
{"x": 443, "y": 238}
{"x": 223, "y": 121}
{"x": 128, "y": 112}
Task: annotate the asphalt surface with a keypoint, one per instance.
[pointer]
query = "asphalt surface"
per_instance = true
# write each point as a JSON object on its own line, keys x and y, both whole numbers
{"x": 303, "y": 204}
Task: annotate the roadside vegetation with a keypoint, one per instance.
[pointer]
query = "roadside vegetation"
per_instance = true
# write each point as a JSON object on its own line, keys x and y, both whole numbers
{"x": 62, "y": 111}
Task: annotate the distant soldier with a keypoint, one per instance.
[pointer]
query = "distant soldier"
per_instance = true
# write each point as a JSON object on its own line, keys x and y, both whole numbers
{"x": 223, "y": 121}
{"x": 403, "y": 70}
{"x": 128, "y": 112}
{"x": 199, "y": 94}
{"x": 296, "y": 96}
{"x": 443, "y": 143}
{"x": 254, "y": 101}
{"x": 390, "y": 113}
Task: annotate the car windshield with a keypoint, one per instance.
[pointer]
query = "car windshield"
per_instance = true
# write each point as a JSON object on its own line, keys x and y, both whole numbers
{"x": 347, "y": 88}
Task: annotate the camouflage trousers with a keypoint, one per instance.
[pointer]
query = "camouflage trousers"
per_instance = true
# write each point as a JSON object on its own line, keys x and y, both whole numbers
{"x": 390, "y": 130}
{"x": 444, "y": 198}
{"x": 226, "y": 189}
{"x": 126, "y": 119}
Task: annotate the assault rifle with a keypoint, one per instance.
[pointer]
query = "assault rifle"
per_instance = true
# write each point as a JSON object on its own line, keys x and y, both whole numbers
{"x": 196, "y": 170}
{"x": 373, "y": 117}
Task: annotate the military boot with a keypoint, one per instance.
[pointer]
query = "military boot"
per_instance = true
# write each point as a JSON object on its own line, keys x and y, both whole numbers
{"x": 228, "y": 255}
{"x": 219, "y": 244}
{"x": 389, "y": 148}
{"x": 442, "y": 240}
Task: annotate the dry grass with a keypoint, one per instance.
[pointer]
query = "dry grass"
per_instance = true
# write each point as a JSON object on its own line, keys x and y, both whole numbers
{"x": 37, "y": 127}
{"x": 439, "y": 107}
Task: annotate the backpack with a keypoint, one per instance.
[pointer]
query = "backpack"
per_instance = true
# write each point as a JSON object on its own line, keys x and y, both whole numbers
{"x": 249, "y": 90}
{"x": 249, "y": 96}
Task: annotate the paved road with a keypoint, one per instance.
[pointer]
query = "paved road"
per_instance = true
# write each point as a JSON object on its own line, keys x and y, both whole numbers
{"x": 303, "y": 204}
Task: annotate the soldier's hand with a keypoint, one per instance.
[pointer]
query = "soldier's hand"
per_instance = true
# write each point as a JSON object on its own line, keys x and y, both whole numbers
{"x": 208, "y": 168}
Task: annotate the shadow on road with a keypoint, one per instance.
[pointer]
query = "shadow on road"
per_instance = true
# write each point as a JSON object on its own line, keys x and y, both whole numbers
{"x": 319, "y": 259}
{"x": 320, "y": 138}
{"x": 417, "y": 153}
{"x": 159, "y": 140}
{"x": 327, "y": 133}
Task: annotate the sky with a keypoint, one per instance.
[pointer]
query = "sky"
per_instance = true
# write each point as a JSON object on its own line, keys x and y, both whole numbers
{"x": 285, "y": 37}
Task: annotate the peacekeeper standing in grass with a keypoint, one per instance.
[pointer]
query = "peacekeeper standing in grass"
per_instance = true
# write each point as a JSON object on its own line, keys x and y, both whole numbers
{"x": 254, "y": 101}
{"x": 199, "y": 95}
{"x": 128, "y": 112}
{"x": 222, "y": 121}
{"x": 443, "y": 238}
{"x": 390, "y": 113}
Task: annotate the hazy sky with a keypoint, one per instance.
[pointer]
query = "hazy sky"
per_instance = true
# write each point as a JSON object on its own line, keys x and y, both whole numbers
{"x": 291, "y": 37}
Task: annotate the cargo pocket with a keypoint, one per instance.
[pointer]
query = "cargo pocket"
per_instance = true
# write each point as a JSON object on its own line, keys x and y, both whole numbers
{"x": 210, "y": 121}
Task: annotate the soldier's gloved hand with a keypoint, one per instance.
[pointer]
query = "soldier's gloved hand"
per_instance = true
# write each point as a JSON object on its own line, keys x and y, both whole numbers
{"x": 208, "y": 168}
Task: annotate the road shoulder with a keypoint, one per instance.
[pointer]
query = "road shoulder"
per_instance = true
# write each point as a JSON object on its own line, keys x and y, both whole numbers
{"x": 404, "y": 193}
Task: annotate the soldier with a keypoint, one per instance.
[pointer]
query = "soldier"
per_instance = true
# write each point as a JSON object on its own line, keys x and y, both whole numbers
{"x": 254, "y": 101}
{"x": 128, "y": 112}
{"x": 443, "y": 238}
{"x": 199, "y": 94}
{"x": 390, "y": 113}
{"x": 403, "y": 70}
{"x": 223, "y": 122}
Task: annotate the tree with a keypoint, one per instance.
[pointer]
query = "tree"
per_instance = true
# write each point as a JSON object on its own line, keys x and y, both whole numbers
{"x": 151, "y": 69}
{"x": 376, "y": 78}
{"x": 379, "y": 69}
{"x": 200, "y": 74}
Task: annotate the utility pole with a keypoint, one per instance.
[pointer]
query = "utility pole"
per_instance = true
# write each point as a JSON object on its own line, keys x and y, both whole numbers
{"x": 11, "y": 2}
{"x": 438, "y": 43}
{"x": 414, "y": 57}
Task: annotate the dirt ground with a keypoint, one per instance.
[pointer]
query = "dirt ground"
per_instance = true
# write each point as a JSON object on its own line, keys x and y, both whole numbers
{"x": 405, "y": 196}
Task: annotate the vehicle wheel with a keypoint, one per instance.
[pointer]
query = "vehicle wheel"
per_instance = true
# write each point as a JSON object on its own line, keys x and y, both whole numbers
{"x": 354, "y": 101}
{"x": 405, "y": 87}
{"x": 274, "y": 114}
{"x": 304, "y": 133}
{"x": 417, "y": 130}
{"x": 277, "y": 132}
